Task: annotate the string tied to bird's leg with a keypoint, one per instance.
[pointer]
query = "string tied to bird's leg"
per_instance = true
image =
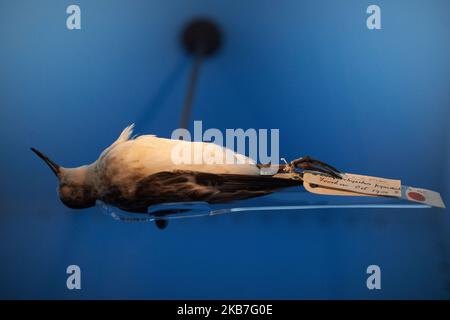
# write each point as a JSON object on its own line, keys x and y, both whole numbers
{"x": 310, "y": 164}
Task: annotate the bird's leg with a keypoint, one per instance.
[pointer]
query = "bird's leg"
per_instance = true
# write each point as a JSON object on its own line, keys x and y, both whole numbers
{"x": 305, "y": 163}
{"x": 308, "y": 163}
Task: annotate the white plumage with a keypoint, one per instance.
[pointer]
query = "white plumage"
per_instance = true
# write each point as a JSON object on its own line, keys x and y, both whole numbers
{"x": 151, "y": 154}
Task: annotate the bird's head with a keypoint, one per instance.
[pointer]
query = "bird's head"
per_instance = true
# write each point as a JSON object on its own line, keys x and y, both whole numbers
{"x": 74, "y": 187}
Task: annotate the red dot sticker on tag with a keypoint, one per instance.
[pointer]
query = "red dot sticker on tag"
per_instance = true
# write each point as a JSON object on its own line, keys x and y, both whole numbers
{"x": 423, "y": 196}
{"x": 416, "y": 196}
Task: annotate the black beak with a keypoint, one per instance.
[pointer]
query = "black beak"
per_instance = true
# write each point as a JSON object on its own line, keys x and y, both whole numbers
{"x": 53, "y": 166}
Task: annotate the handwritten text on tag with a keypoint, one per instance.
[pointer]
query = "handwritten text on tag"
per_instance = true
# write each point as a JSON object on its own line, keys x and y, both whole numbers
{"x": 357, "y": 183}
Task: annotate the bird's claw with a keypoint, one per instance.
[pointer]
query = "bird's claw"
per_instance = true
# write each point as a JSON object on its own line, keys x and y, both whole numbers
{"x": 308, "y": 163}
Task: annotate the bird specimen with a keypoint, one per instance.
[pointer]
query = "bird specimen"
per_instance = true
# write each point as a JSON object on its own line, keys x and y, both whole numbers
{"x": 135, "y": 173}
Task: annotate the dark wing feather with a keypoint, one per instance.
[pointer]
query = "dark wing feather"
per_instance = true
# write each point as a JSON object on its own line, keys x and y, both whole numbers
{"x": 185, "y": 186}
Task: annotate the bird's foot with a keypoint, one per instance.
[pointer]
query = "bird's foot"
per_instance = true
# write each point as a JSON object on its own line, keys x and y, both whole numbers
{"x": 308, "y": 163}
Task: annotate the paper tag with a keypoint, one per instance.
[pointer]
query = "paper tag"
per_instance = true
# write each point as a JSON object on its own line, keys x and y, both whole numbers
{"x": 374, "y": 185}
{"x": 356, "y": 183}
{"x": 332, "y": 192}
{"x": 430, "y": 197}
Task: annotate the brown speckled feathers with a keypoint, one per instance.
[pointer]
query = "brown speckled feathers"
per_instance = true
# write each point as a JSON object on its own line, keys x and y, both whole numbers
{"x": 184, "y": 186}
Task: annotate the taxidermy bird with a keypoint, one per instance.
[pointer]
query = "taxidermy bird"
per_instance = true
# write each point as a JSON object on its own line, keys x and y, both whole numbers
{"x": 135, "y": 173}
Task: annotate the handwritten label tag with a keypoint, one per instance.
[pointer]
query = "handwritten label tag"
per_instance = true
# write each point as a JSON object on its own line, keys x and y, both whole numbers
{"x": 356, "y": 183}
{"x": 372, "y": 187}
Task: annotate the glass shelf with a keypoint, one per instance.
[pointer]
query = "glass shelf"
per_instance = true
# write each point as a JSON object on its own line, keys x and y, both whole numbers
{"x": 288, "y": 201}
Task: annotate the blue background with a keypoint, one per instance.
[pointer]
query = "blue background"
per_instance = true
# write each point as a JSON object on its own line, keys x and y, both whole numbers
{"x": 371, "y": 102}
